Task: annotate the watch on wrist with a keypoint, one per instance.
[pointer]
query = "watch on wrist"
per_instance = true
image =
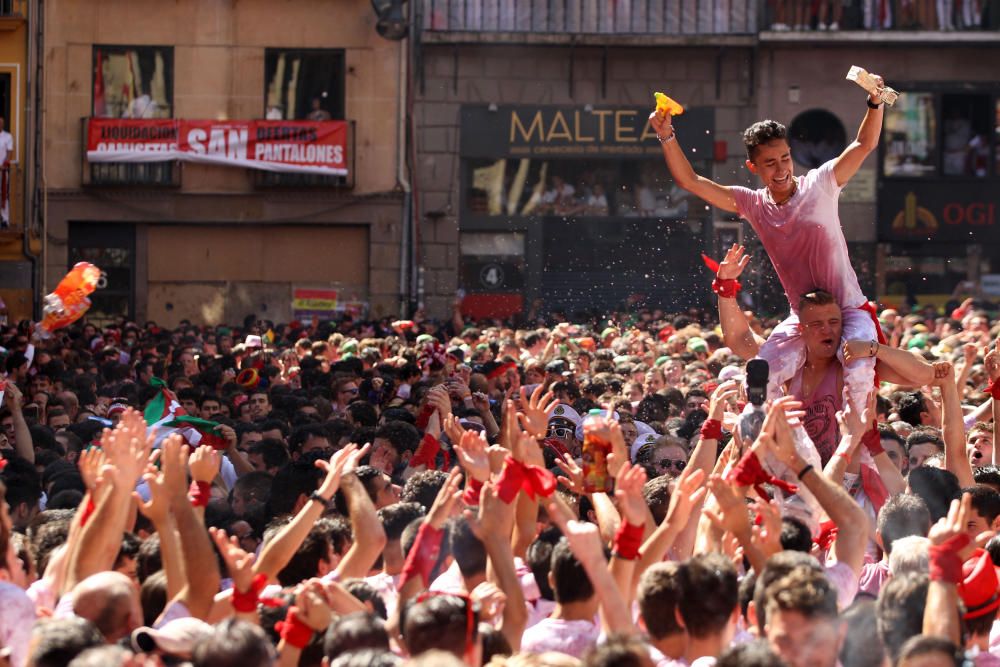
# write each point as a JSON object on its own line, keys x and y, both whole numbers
{"x": 872, "y": 105}
{"x": 318, "y": 497}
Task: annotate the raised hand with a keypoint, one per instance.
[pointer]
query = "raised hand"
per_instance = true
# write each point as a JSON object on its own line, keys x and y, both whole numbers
{"x": 954, "y": 523}
{"x": 238, "y": 562}
{"x": 453, "y": 429}
{"x": 536, "y": 410}
{"x": 491, "y": 600}
{"x": 494, "y": 519}
{"x": 204, "y": 464}
{"x": 619, "y": 450}
{"x": 311, "y": 605}
{"x": 733, "y": 263}
{"x": 767, "y": 536}
{"x": 334, "y": 469}
{"x": 173, "y": 459}
{"x": 992, "y": 362}
{"x": 127, "y": 447}
{"x": 629, "y": 494}
{"x": 157, "y": 508}
{"x": 446, "y": 500}
{"x": 731, "y": 515}
{"x": 720, "y": 397}
{"x": 855, "y": 423}
{"x": 573, "y": 479}
{"x": 689, "y": 492}
{"x": 90, "y": 463}
{"x": 355, "y": 457}
{"x": 472, "y": 455}
{"x": 944, "y": 372}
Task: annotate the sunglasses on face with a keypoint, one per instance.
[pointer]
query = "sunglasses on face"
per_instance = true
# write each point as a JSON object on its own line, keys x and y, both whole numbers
{"x": 353, "y": 391}
{"x": 556, "y": 431}
{"x": 667, "y": 464}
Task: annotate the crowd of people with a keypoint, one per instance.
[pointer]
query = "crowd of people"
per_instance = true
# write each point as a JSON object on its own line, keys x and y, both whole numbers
{"x": 373, "y": 491}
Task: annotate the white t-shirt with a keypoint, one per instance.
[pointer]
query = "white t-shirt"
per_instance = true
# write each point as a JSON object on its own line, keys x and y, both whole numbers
{"x": 554, "y": 634}
{"x": 803, "y": 237}
{"x": 6, "y": 146}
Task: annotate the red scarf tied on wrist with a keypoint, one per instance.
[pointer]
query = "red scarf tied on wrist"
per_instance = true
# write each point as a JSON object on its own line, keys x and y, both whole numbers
{"x": 427, "y": 452}
{"x": 726, "y": 288}
{"x": 750, "y": 472}
{"x": 533, "y": 480}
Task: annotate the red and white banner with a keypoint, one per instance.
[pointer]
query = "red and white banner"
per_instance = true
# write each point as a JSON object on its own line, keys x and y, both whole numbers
{"x": 318, "y": 147}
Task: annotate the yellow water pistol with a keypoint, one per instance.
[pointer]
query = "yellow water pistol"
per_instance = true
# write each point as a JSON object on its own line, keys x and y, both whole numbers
{"x": 667, "y": 106}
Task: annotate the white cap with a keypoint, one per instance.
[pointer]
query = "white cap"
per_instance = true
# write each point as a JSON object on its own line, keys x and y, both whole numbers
{"x": 176, "y": 638}
{"x": 253, "y": 341}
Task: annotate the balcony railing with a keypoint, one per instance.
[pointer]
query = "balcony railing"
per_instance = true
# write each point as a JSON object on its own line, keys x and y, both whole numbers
{"x": 592, "y": 17}
{"x": 295, "y": 180}
{"x": 119, "y": 174}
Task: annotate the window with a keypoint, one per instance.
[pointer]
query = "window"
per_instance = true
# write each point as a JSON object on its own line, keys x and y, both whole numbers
{"x": 816, "y": 136}
{"x": 492, "y": 261}
{"x": 967, "y": 126}
{"x": 111, "y": 248}
{"x": 576, "y": 189}
{"x": 910, "y": 136}
{"x": 133, "y": 82}
{"x": 304, "y": 84}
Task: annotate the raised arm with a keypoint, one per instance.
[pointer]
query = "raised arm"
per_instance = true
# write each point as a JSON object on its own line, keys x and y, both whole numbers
{"x": 867, "y": 140}
{"x": 992, "y": 363}
{"x": 682, "y": 171}
{"x": 369, "y": 535}
{"x": 948, "y": 539}
{"x": 279, "y": 551}
{"x": 736, "y": 331}
{"x": 953, "y": 424}
{"x": 894, "y": 365}
{"x": 23, "y": 445}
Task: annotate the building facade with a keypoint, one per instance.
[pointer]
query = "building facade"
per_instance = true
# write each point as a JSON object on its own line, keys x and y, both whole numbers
{"x": 539, "y": 182}
{"x": 206, "y": 234}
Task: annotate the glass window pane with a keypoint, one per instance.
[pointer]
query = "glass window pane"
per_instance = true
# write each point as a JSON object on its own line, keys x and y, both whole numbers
{"x": 493, "y": 243}
{"x": 967, "y": 128}
{"x": 133, "y": 82}
{"x": 304, "y": 84}
{"x": 910, "y": 136}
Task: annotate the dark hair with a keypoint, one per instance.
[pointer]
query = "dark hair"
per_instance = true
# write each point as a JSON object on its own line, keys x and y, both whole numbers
{"x": 862, "y": 646}
{"x": 985, "y": 501}
{"x": 936, "y": 487}
{"x": 902, "y": 515}
{"x": 153, "y": 596}
{"x": 909, "y": 406}
{"x": 539, "y": 559}
{"x": 304, "y": 563}
{"x": 362, "y": 413}
{"x": 423, "y": 487}
{"x": 274, "y": 452}
{"x": 750, "y": 654}
{"x": 365, "y": 592}
{"x": 468, "y": 550}
{"x": 234, "y": 643}
{"x": 402, "y": 436}
{"x": 779, "y": 565}
{"x": 440, "y": 622}
{"x": 886, "y": 432}
{"x": 296, "y": 479}
{"x": 988, "y": 475}
{"x": 901, "y": 610}
{"x": 656, "y": 493}
{"x": 396, "y": 517}
{"x": 367, "y": 658}
{"x": 762, "y": 132}
{"x": 795, "y": 535}
{"x": 926, "y": 644}
{"x": 24, "y": 484}
{"x": 354, "y": 632}
{"x": 659, "y": 592}
{"x": 816, "y": 297}
{"x": 58, "y": 640}
{"x": 148, "y": 560}
{"x": 618, "y": 651}
{"x": 570, "y": 580}
{"x": 705, "y": 615}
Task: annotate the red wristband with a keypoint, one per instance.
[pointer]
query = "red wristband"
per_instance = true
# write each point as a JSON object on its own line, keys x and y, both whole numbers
{"x": 246, "y": 602}
{"x": 511, "y": 480}
{"x": 945, "y": 563}
{"x": 200, "y": 493}
{"x": 88, "y": 511}
{"x": 726, "y": 288}
{"x": 711, "y": 429}
{"x": 872, "y": 440}
{"x": 426, "y": 453}
{"x": 293, "y": 629}
{"x": 472, "y": 491}
{"x": 994, "y": 389}
{"x": 423, "y": 555}
{"x": 628, "y": 540}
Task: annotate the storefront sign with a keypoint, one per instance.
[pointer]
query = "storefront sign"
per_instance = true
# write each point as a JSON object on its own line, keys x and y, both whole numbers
{"x": 861, "y": 188}
{"x": 991, "y": 284}
{"x": 285, "y": 146}
{"x": 559, "y": 131}
{"x": 321, "y": 303}
{"x": 937, "y": 211}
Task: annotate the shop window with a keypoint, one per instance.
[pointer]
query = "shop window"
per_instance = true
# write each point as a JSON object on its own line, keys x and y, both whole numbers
{"x": 304, "y": 84}
{"x": 967, "y": 125}
{"x": 133, "y": 82}
{"x": 111, "y": 248}
{"x": 910, "y": 137}
{"x": 816, "y": 136}
{"x": 492, "y": 261}
{"x": 576, "y": 189}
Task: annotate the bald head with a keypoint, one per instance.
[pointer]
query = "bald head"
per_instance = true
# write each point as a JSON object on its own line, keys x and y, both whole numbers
{"x": 110, "y": 601}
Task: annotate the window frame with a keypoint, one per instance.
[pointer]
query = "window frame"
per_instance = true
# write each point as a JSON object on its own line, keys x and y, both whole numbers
{"x": 167, "y": 49}
{"x": 939, "y": 91}
{"x": 341, "y": 93}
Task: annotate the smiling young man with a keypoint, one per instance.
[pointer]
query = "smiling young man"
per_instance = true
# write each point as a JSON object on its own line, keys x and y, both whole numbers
{"x": 798, "y": 223}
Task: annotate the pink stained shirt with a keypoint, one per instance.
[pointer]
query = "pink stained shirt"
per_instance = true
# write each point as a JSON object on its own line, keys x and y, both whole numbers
{"x": 821, "y": 409}
{"x": 803, "y": 237}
